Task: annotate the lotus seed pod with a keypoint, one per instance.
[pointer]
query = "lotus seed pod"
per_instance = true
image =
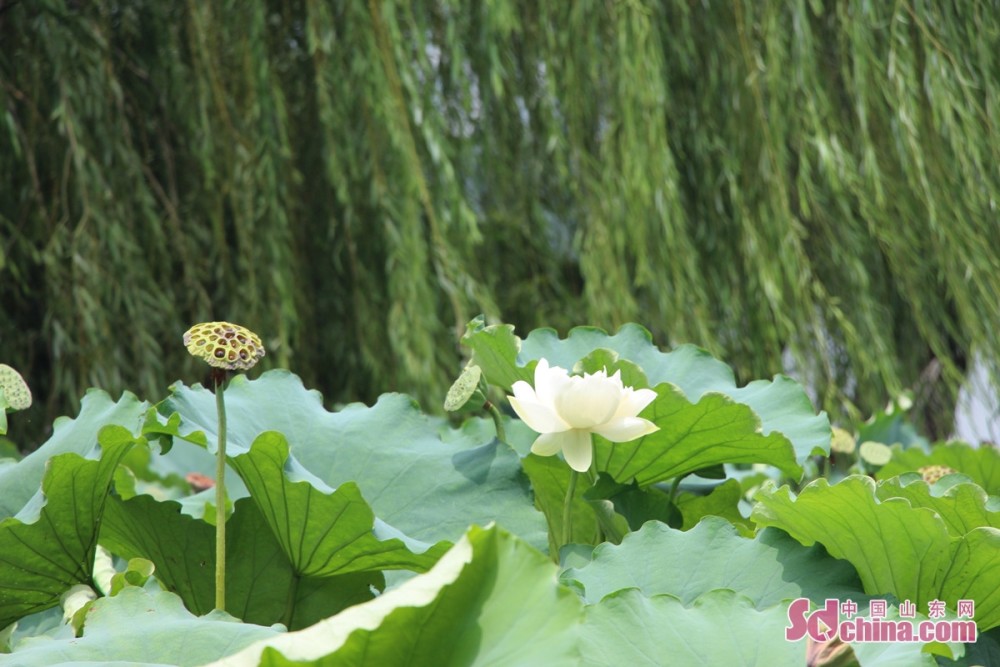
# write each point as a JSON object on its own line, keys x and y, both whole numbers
{"x": 13, "y": 389}
{"x": 842, "y": 441}
{"x": 875, "y": 453}
{"x": 463, "y": 389}
{"x": 932, "y": 474}
{"x": 224, "y": 345}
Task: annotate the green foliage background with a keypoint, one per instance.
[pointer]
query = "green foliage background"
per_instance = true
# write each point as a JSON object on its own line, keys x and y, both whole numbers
{"x": 356, "y": 180}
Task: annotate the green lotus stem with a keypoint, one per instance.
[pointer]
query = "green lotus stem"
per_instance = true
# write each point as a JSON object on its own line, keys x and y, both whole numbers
{"x": 225, "y": 347}
{"x": 497, "y": 420}
{"x": 293, "y": 593}
{"x": 605, "y": 514}
{"x": 675, "y": 487}
{"x": 220, "y": 496}
{"x": 568, "y": 508}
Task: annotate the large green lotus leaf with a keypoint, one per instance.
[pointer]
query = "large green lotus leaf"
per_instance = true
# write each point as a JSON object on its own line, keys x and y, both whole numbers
{"x": 892, "y": 426}
{"x": 900, "y": 544}
{"x": 635, "y": 506}
{"x": 420, "y": 476}
{"x": 142, "y": 627}
{"x": 981, "y": 464}
{"x": 720, "y": 627}
{"x": 322, "y": 532}
{"x": 49, "y": 546}
{"x": 975, "y": 575}
{"x": 723, "y": 501}
{"x": 612, "y": 363}
{"x": 889, "y": 654}
{"x": 766, "y": 570}
{"x": 495, "y": 349}
{"x": 19, "y": 482}
{"x": 491, "y": 600}
{"x": 901, "y": 654}
{"x": 48, "y": 623}
{"x": 713, "y": 431}
{"x": 781, "y": 404}
{"x": 895, "y": 547}
{"x": 164, "y": 474}
{"x": 181, "y": 548}
{"x": 986, "y": 651}
{"x": 262, "y": 585}
{"x": 963, "y": 507}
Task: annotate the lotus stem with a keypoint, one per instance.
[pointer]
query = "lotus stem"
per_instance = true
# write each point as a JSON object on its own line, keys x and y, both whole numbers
{"x": 220, "y": 494}
{"x": 497, "y": 420}
{"x": 674, "y": 488}
{"x": 568, "y": 508}
{"x": 293, "y": 593}
{"x": 225, "y": 347}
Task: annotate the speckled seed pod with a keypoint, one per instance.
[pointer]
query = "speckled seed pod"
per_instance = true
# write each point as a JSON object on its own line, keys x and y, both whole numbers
{"x": 934, "y": 473}
{"x": 224, "y": 345}
{"x": 463, "y": 388}
{"x": 15, "y": 391}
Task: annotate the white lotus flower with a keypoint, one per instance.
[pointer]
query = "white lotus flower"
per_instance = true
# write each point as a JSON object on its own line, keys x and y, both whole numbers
{"x": 565, "y": 409}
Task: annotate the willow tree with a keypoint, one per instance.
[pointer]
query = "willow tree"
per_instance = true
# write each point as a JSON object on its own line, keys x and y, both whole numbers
{"x": 356, "y": 180}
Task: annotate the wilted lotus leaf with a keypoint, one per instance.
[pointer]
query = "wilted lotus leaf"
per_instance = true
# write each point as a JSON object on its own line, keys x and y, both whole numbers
{"x": 224, "y": 345}
{"x": 13, "y": 389}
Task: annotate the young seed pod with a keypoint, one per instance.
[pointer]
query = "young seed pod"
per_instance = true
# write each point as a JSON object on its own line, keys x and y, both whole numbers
{"x": 463, "y": 389}
{"x": 13, "y": 389}
{"x": 875, "y": 453}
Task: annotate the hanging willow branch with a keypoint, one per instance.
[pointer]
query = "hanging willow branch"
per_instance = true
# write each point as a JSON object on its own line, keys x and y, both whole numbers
{"x": 771, "y": 180}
